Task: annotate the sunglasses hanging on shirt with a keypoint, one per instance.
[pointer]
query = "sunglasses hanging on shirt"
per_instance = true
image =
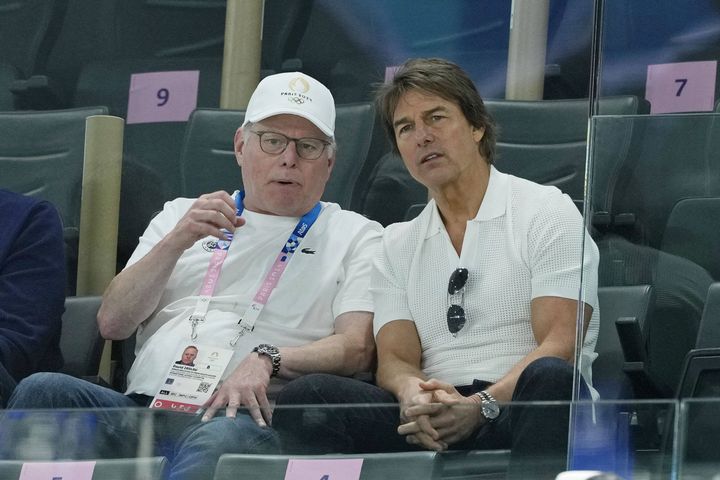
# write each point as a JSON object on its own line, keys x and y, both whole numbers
{"x": 456, "y": 313}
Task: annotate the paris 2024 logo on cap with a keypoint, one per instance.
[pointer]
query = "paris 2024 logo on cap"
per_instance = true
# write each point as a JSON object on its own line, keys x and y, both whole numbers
{"x": 299, "y": 87}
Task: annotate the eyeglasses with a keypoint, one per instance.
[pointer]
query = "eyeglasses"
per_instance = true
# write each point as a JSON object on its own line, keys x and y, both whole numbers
{"x": 456, "y": 313}
{"x": 274, "y": 143}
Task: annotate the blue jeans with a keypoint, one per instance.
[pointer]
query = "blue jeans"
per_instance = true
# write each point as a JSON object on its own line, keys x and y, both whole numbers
{"x": 193, "y": 447}
{"x": 537, "y": 436}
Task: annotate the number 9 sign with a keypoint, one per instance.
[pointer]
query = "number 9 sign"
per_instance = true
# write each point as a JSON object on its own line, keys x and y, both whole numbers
{"x": 162, "y": 96}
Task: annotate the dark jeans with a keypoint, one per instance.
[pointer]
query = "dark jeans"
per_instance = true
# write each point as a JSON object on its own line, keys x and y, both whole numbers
{"x": 538, "y": 436}
{"x": 112, "y": 428}
{"x": 7, "y": 385}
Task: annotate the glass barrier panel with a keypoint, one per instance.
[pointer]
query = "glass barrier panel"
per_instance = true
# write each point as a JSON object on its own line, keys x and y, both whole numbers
{"x": 698, "y": 455}
{"x": 527, "y": 441}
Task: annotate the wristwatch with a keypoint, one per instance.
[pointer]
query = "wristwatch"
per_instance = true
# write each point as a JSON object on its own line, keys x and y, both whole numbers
{"x": 272, "y": 352}
{"x": 488, "y": 405}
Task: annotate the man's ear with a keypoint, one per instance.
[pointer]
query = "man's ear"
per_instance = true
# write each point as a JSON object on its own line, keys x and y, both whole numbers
{"x": 478, "y": 133}
{"x": 239, "y": 143}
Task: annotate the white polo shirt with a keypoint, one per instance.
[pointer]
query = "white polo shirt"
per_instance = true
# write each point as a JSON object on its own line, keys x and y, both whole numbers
{"x": 525, "y": 242}
{"x": 327, "y": 276}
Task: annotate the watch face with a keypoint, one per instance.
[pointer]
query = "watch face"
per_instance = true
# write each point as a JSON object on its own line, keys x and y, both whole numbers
{"x": 490, "y": 410}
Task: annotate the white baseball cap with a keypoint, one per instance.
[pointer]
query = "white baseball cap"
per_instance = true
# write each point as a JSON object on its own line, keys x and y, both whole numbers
{"x": 293, "y": 93}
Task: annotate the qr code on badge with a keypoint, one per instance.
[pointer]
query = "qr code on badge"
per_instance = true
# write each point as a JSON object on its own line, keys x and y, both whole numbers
{"x": 203, "y": 387}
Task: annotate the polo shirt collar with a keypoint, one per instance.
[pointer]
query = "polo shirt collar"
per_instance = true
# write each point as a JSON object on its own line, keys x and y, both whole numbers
{"x": 492, "y": 206}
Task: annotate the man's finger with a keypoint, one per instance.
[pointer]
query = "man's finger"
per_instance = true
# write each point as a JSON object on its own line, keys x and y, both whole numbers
{"x": 424, "y": 409}
{"x": 255, "y": 413}
{"x": 408, "y": 428}
{"x": 425, "y": 426}
{"x": 445, "y": 398}
{"x": 434, "y": 384}
{"x": 265, "y": 408}
{"x": 209, "y": 413}
{"x": 231, "y": 410}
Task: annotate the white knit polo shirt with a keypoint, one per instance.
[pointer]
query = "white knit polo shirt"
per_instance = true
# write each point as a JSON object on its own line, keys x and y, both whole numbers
{"x": 525, "y": 242}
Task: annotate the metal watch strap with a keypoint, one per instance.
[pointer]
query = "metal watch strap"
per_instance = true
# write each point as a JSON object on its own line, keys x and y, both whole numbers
{"x": 490, "y": 409}
{"x": 273, "y": 353}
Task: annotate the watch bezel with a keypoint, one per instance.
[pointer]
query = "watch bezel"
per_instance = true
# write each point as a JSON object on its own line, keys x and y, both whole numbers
{"x": 488, "y": 406}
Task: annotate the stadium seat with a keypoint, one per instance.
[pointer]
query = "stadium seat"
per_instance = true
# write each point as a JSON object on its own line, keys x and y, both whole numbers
{"x": 378, "y": 466}
{"x": 546, "y": 141}
{"x": 692, "y": 232}
{"x": 667, "y": 161}
{"x": 701, "y": 380}
{"x": 207, "y": 159}
{"x": 619, "y": 370}
{"x": 8, "y": 74}
{"x": 354, "y": 126}
{"x": 152, "y": 468}
{"x": 46, "y": 143}
{"x": 80, "y": 342}
{"x": 27, "y": 30}
{"x": 392, "y": 191}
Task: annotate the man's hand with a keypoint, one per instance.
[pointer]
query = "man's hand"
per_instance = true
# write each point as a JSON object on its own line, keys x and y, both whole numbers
{"x": 417, "y": 426}
{"x": 206, "y": 217}
{"x": 452, "y": 416}
{"x": 246, "y": 386}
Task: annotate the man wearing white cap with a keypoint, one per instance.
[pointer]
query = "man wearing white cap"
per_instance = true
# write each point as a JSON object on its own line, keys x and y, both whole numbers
{"x": 285, "y": 294}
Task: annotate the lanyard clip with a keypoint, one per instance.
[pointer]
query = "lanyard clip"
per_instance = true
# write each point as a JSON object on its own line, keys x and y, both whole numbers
{"x": 241, "y": 332}
{"x": 194, "y": 321}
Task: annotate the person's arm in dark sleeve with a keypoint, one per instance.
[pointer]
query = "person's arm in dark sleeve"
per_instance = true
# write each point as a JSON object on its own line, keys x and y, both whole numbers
{"x": 32, "y": 293}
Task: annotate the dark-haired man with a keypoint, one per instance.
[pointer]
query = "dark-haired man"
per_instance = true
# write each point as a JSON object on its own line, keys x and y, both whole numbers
{"x": 475, "y": 300}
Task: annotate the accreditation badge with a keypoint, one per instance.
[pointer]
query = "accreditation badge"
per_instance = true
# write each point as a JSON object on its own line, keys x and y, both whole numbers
{"x": 192, "y": 378}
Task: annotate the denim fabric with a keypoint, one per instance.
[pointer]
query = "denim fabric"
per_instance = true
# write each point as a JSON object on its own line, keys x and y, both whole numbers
{"x": 537, "y": 436}
{"x": 192, "y": 447}
{"x": 7, "y": 385}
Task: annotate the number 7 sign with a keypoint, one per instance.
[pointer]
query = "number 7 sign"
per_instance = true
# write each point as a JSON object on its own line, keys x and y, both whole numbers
{"x": 681, "y": 87}
{"x": 162, "y": 96}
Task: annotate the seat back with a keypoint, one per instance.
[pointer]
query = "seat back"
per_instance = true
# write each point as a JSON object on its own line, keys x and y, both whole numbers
{"x": 27, "y": 30}
{"x": 354, "y": 125}
{"x": 692, "y": 230}
{"x": 620, "y": 309}
{"x": 80, "y": 341}
{"x": 545, "y": 141}
{"x": 392, "y": 191}
{"x": 148, "y": 468}
{"x": 709, "y": 329}
{"x": 207, "y": 159}
{"x": 668, "y": 161}
{"x": 377, "y": 466}
{"x": 8, "y": 74}
{"x": 47, "y": 143}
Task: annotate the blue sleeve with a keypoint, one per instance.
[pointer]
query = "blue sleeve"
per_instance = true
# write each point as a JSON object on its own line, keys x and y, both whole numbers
{"x": 32, "y": 290}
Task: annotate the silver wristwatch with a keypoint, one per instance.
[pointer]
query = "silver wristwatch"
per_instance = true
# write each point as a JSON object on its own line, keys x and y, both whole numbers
{"x": 272, "y": 352}
{"x": 488, "y": 405}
